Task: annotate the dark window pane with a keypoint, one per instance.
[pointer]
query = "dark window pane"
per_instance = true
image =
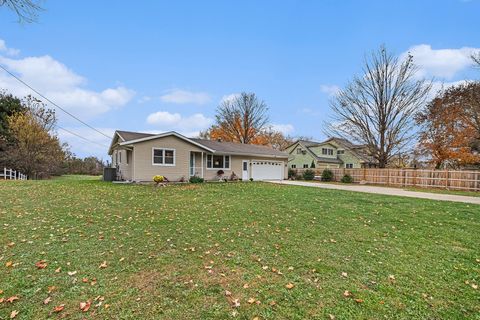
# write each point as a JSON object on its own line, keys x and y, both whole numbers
{"x": 218, "y": 162}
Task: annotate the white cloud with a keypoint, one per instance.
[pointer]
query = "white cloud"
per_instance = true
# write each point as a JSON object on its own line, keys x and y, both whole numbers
{"x": 182, "y": 97}
{"x": 61, "y": 85}
{"x": 7, "y": 50}
{"x": 443, "y": 63}
{"x": 286, "y": 129}
{"x": 175, "y": 121}
{"x": 330, "y": 90}
{"x": 229, "y": 97}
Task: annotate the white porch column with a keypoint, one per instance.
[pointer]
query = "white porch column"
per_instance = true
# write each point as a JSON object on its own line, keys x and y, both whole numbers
{"x": 202, "y": 164}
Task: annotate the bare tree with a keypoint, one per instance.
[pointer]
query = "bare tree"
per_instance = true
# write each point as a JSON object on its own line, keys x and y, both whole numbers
{"x": 476, "y": 58}
{"x": 240, "y": 119}
{"x": 26, "y": 10}
{"x": 377, "y": 109}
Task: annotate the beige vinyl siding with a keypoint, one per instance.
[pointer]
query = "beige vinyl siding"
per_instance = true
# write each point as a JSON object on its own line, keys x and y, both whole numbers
{"x": 124, "y": 167}
{"x": 145, "y": 169}
{"x": 235, "y": 166}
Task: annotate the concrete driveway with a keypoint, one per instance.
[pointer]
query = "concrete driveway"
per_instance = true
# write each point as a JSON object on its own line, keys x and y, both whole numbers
{"x": 384, "y": 190}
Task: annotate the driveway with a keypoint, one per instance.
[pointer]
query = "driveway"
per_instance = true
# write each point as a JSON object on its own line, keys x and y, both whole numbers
{"x": 383, "y": 190}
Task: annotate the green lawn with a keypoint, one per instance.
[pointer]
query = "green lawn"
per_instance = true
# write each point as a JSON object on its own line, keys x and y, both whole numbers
{"x": 173, "y": 252}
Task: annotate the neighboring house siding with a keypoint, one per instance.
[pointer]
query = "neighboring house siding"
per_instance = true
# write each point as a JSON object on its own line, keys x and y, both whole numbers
{"x": 318, "y": 150}
{"x": 144, "y": 169}
{"x": 299, "y": 160}
{"x": 348, "y": 157}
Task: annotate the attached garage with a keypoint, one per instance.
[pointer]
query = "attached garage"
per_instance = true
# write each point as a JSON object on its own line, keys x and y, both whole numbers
{"x": 267, "y": 170}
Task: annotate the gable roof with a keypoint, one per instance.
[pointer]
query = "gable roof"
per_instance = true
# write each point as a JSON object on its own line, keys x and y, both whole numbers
{"x": 129, "y": 138}
{"x": 129, "y": 135}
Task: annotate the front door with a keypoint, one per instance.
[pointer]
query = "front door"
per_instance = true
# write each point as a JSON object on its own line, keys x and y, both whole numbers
{"x": 245, "y": 170}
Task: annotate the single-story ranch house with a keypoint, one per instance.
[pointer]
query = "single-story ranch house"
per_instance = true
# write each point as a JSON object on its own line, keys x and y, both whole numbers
{"x": 140, "y": 156}
{"x": 331, "y": 153}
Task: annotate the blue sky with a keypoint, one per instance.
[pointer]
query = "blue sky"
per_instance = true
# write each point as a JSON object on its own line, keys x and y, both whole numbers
{"x": 158, "y": 66}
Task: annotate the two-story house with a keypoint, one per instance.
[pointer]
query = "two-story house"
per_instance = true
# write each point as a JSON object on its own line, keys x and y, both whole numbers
{"x": 331, "y": 153}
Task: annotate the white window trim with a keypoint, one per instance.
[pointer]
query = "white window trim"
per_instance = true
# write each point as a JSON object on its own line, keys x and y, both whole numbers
{"x": 224, "y": 155}
{"x": 164, "y": 164}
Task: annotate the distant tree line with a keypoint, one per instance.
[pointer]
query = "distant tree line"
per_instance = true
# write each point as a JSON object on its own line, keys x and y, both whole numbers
{"x": 29, "y": 142}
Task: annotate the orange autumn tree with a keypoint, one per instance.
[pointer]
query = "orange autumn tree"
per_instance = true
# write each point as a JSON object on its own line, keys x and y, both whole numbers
{"x": 244, "y": 119}
{"x": 450, "y": 134}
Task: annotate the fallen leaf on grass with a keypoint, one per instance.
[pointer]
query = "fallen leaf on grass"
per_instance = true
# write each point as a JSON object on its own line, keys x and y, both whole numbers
{"x": 13, "y": 314}
{"x": 47, "y": 300}
{"x": 251, "y": 300}
{"x": 358, "y": 300}
{"x": 289, "y": 285}
{"x": 103, "y": 265}
{"x": 59, "y": 308}
{"x": 72, "y": 273}
{"x": 58, "y": 269}
{"x": 236, "y": 303}
{"x": 347, "y": 293}
{"x": 228, "y": 293}
{"x": 9, "y": 264}
{"x": 42, "y": 264}
{"x": 246, "y": 286}
{"x": 331, "y": 316}
{"x": 344, "y": 274}
{"x": 11, "y": 299}
{"x": 85, "y": 306}
{"x": 51, "y": 289}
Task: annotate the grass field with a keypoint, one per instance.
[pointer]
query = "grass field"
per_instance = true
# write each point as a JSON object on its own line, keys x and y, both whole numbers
{"x": 233, "y": 250}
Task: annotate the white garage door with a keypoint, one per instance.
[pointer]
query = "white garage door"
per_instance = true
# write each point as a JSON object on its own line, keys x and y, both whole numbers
{"x": 267, "y": 170}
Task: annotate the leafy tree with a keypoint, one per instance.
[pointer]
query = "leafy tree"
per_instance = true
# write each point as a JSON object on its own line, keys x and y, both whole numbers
{"x": 377, "y": 108}
{"x": 35, "y": 150}
{"x": 9, "y": 105}
{"x": 450, "y": 127}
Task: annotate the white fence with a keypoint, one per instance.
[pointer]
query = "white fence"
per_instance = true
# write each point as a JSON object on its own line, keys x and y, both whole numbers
{"x": 10, "y": 174}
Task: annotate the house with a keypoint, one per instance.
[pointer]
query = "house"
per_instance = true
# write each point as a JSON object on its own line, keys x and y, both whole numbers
{"x": 331, "y": 153}
{"x": 140, "y": 156}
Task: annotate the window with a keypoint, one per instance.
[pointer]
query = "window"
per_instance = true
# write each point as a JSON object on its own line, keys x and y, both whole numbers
{"x": 340, "y": 151}
{"x": 116, "y": 157}
{"x": 293, "y": 166}
{"x": 163, "y": 157}
{"x": 218, "y": 162}
{"x": 119, "y": 156}
{"x": 299, "y": 150}
{"x": 349, "y": 165}
{"x": 305, "y": 166}
{"x": 327, "y": 151}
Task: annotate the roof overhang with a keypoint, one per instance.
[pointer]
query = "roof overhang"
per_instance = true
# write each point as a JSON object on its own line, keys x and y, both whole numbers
{"x": 116, "y": 134}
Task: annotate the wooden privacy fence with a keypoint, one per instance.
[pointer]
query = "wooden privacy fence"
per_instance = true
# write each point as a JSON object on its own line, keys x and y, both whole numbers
{"x": 446, "y": 179}
{"x": 12, "y": 175}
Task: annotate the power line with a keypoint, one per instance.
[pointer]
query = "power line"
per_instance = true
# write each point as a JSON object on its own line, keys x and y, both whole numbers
{"x": 53, "y": 103}
{"x": 79, "y": 136}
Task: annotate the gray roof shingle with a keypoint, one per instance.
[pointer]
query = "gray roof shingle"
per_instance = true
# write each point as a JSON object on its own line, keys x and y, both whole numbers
{"x": 129, "y": 135}
{"x": 240, "y": 148}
